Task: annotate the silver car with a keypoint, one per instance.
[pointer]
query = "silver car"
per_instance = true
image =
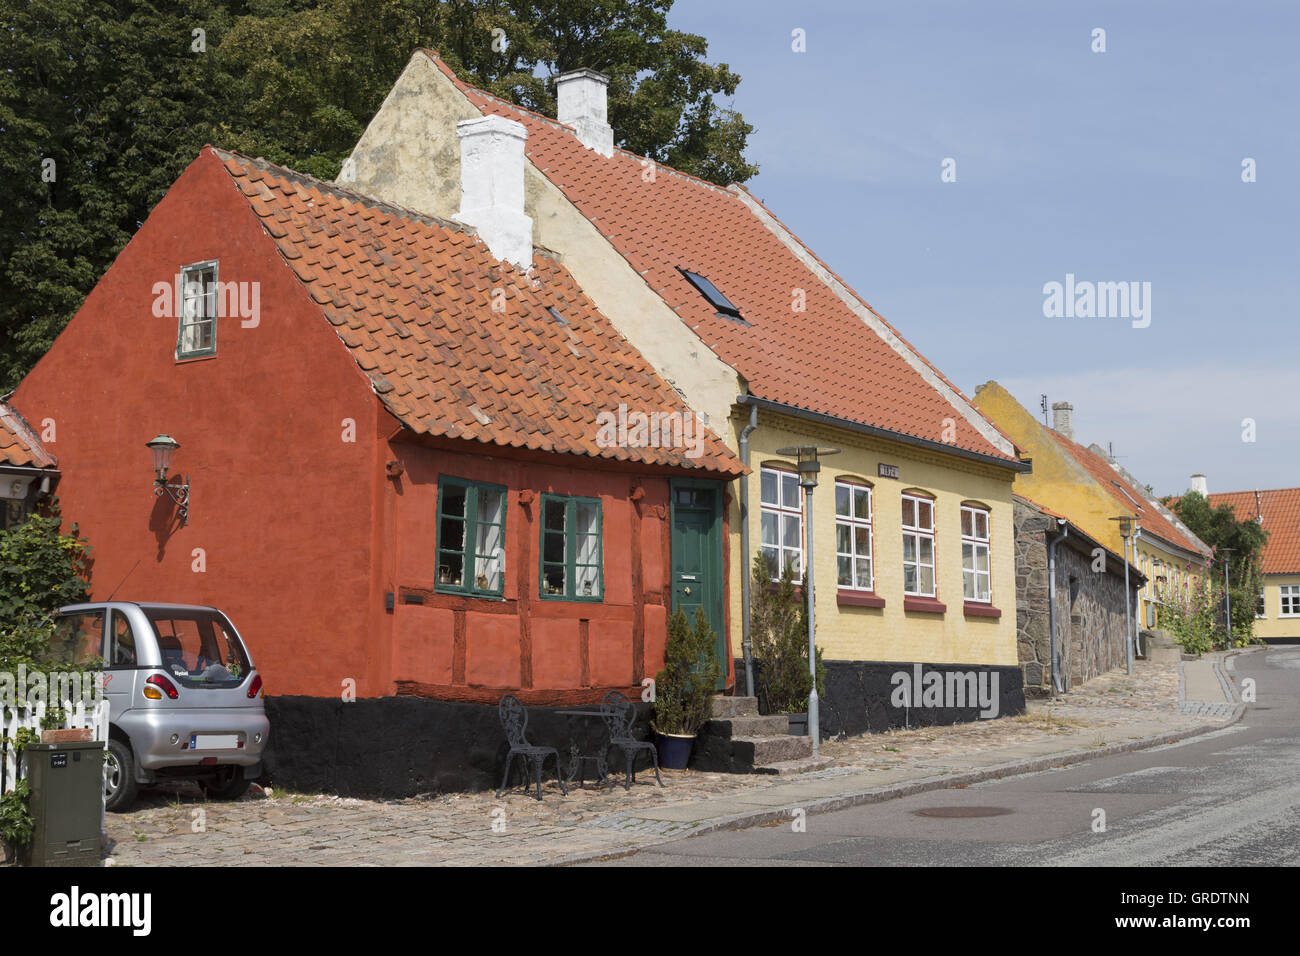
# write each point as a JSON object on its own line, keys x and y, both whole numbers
{"x": 185, "y": 700}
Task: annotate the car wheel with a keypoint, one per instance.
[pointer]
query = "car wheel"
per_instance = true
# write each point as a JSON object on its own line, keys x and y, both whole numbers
{"x": 229, "y": 784}
{"x": 120, "y": 787}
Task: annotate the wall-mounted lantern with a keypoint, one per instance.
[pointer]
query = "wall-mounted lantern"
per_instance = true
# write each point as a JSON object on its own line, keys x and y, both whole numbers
{"x": 162, "y": 447}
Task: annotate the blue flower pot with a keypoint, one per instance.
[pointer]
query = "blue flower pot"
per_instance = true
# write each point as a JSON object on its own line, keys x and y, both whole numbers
{"x": 674, "y": 750}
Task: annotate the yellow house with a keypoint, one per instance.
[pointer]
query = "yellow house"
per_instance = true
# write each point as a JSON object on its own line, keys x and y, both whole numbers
{"x": 912, "y": 519}
{"x": 1089, "y": 488}
{"x": 1277, "y": 615}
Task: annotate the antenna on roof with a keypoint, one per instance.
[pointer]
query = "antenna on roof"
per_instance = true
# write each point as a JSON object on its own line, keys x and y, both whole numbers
{"x": 123, "y": 581}
{"x": 1042, "y": 402}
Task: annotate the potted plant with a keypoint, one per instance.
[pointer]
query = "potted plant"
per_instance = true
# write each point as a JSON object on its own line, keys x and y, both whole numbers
{"x": 684, "y": 689}
{"x": 779, "y": 634}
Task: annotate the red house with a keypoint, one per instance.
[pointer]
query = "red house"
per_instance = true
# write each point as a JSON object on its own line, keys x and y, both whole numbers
{"x": 403, "y": 485}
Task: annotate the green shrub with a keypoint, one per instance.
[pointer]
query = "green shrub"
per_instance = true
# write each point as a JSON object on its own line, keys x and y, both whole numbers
{"x": 684, "y": 689}
{"x": 778, "y": 630}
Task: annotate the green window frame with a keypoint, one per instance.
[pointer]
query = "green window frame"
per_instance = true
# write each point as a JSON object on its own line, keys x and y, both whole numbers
{"x": 571, "y": 552}
{"x": 471, "y": 533}
{"x": 196, "y": 333}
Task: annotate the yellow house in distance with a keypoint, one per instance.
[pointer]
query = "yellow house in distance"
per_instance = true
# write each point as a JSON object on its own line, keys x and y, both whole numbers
{"x": 1087, "y": 487}
{"x": 1277, "y": 615}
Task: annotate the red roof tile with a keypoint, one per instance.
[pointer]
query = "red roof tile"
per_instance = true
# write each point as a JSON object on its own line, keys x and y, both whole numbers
{"x": 1280, "y": 509}
{"x": 824, "y": 359}
{"x": 411, "y": 297}
{"x": 1130, "y": 499}
{"x": 18, "y": 443}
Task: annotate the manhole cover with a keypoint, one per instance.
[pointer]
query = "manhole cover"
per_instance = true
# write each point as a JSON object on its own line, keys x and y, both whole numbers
{"x": 963, "y": 811}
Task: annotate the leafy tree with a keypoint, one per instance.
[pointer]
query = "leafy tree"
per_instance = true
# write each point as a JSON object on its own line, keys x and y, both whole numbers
{"x": 121, "y": 94}
{"x": 1238, "y": 542}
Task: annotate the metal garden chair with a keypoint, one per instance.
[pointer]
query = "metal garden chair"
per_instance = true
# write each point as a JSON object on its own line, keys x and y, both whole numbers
{"x": 619, "y": 715}
{"x": 514, "y": 720}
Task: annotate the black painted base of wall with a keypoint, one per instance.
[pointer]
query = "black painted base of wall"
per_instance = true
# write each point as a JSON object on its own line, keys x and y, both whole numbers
{"x": 859, "y": 696}
{"x": 403, "y": 746}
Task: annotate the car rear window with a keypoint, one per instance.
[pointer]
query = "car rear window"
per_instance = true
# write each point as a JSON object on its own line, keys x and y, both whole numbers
{"x": 199, "y": 648}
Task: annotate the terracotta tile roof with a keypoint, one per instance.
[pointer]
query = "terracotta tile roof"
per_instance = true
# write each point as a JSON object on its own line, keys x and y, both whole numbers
{"x": 1280, "y": 508}
{"x": 18, "y": 443}
{"x": 411, "y": 297}
{"x": 1129, "y": 499}
{"x": 824, "y": 359}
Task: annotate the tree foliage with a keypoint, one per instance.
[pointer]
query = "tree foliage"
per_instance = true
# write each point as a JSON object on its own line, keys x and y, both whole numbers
{"x": 778, "y": 632}
{"x": 1238, "y": 542}
{"x": 122, "y": 94}
{"x": 684, "y": 689}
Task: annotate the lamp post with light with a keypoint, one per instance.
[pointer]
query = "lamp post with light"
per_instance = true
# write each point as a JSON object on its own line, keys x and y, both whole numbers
{"x": 809, "y": 465}
{"x": 162, "y": 447}
{"x": 1126, "y": 529}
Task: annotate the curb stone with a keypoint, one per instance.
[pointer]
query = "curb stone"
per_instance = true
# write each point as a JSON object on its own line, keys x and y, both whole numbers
{"x": 944, "y": 781}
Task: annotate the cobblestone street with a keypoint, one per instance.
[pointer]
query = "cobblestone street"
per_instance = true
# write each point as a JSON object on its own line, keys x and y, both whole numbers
{"x": 178, "y": 827}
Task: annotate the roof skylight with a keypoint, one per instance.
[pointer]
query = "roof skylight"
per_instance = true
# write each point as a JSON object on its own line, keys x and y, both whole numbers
{"x": 720, "y": 302}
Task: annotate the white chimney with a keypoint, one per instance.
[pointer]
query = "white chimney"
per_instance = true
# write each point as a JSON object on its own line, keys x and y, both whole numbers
{"x": 1063, "y": 419}
{"x": 582, "y": 101}
{"x": 492, "y": 186}
{"x": 1200, "y": 484}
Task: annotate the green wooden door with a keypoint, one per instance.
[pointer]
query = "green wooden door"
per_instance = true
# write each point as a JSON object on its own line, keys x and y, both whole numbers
{"x": 697, "y": 556}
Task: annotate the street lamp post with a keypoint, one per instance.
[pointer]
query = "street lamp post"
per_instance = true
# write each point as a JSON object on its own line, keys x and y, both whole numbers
{"x": 809, "y": 466}
{"x": 1125, "y": 529}
{"x": 1227, "y": 595}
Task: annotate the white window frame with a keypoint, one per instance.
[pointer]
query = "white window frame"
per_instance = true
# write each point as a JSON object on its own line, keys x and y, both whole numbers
{"x": 916, "y": 533}
{"x": 191, "y": 296}
{"x": 976, "y": 544}
{"x": 1261, "y": 606}
{"x": 782, "y": 512}
{"x": 1291, "y": 591}
{"x": 854, "y": 524}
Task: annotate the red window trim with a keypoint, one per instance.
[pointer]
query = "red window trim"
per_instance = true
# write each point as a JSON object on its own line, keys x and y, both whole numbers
{"x": 980, "y": 609}
{"x": 847, "y": 597}
{"x": 924, "y": 604}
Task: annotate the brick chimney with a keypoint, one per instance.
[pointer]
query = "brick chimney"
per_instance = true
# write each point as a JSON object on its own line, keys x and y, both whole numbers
{"x": 1063, "y": 419}
{"x": 492, "y": 186}
{"x": 1200, "y": 484}
{"x": 582, "y": 102}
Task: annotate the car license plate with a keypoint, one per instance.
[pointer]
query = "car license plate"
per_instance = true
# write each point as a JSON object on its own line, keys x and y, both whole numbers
{"x": 214, "y": 741}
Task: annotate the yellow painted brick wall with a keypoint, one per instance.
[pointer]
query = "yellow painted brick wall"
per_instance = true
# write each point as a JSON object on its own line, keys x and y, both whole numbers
{"x": 889, "y": 633}
{"x": 1273, "y": 625}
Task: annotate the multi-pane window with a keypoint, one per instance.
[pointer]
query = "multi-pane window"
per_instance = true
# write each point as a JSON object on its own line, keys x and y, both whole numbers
{"x": 1290, "y": 600}
{"x": 471, "y": 537}
{"x": 975, "y": 554}
{"x": 571, "y": 548}
{"x": 853, "y": 535}
{"x": 782, "y": 521}
{"x": 198, "y": 318}
{"x": 1261, "y": 608}
{"x": 918, "y": 546}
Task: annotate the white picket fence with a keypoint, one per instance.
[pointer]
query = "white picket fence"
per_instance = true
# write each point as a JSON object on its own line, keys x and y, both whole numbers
{"x": 80, "y": 714}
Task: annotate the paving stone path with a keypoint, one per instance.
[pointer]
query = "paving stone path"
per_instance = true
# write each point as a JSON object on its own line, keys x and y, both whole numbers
{"x": 176, "y": 826}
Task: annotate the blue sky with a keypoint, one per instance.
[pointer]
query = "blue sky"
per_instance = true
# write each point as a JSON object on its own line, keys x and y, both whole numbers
{"x": 1116, "y": 166}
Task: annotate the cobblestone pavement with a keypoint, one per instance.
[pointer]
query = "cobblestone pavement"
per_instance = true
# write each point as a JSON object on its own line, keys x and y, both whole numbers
{"x": 177, "y": 826}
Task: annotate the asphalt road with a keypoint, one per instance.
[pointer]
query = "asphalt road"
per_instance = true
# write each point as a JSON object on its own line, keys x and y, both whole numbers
{"x": 1228, "y": 798}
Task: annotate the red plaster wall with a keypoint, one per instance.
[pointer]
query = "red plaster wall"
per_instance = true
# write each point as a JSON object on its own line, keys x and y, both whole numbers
{"x": 282, "y": 507}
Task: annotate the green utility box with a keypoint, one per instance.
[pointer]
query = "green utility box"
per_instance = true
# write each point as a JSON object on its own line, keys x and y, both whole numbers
{"x": 67, "y": 782}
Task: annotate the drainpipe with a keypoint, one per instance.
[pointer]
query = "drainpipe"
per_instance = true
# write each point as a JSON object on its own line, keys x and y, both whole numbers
{"x": 1051, "y": 602}
{"x": 746, "y": 646}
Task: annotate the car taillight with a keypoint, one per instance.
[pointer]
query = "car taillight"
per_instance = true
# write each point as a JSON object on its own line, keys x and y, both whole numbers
{"x": 157, "y": 685}
{"x": 255, "y": 687}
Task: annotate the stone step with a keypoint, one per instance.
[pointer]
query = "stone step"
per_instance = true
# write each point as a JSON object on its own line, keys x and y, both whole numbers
{"x": 735, "y": 706}
{"x": 775, "y": 726}
{"x": 765, "y": 751}
{"x": 790, "y": 767}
